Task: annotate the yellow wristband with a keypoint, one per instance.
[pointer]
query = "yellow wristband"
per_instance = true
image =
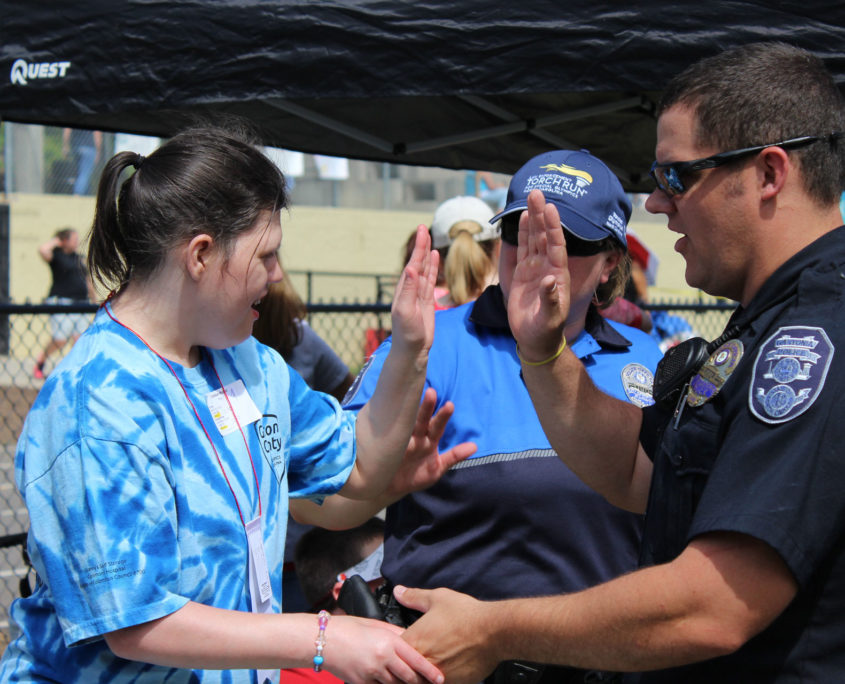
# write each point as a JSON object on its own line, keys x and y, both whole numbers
{"x": 548, "y": 360}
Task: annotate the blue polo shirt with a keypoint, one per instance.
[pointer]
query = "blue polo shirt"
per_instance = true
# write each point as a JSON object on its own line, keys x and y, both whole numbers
{"x": 513, "y": 520}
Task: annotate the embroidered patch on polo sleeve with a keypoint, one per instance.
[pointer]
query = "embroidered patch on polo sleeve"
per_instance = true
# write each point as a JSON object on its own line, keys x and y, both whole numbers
{"x": 638, "y": 381}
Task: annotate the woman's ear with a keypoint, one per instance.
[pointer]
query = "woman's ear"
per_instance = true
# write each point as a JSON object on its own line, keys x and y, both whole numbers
{"x": 611, "y": 261}
{"x": 198, "y": 254}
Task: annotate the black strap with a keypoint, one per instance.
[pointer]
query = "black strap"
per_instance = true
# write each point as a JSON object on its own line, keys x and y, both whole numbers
{"x": 521, "y": 672}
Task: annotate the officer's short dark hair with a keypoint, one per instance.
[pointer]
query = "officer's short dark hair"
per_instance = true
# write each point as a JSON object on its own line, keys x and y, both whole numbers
{"x": 763, "y": 93}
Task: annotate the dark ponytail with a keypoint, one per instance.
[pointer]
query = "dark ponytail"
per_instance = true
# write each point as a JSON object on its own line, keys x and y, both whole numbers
{"x": 106, "y": 248}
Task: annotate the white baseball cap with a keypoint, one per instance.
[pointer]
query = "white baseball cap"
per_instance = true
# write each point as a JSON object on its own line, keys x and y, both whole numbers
{"x": 472, "y": 213}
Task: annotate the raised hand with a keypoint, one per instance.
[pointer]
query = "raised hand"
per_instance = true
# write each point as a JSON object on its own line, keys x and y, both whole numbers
{"x": 423, "y": 465}
{"x": 538, "y": 304}
{"x": 412, "y": 313}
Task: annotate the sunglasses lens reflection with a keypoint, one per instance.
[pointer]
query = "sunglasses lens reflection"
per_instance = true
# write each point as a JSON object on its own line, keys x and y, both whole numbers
{"x": 672, "y": 181}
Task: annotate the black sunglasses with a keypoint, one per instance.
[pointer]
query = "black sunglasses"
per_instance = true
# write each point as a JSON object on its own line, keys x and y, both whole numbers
{"x": 575, "y": 246}
{"x": 669, "y": 176}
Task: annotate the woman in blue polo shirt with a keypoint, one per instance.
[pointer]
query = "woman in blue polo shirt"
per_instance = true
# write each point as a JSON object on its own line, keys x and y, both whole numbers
{"x": 513, "y": 520}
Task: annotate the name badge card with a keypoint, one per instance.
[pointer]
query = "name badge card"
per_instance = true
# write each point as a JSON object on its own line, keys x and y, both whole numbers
{"x": 260, "y": 590}
{"x": 245, "y": 410}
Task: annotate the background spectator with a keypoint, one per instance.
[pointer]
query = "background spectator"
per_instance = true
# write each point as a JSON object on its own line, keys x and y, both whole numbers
{"x": 281, "y": 325}
{"x": 85, "y": 147}
{"x": 70, "y": 285}
{"x": 461, "y": 225}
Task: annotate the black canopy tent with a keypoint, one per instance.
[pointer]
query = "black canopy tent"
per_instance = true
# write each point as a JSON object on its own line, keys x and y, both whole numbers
{"x": 469, "y": 84}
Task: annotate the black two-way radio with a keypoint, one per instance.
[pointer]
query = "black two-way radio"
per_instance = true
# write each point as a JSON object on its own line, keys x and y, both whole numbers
{"x": 681, "y": 362}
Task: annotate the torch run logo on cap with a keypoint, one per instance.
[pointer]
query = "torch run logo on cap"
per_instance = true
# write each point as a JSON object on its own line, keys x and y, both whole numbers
{"x": 560, "y": 180}
{"x": 582, "y": 178}
{"x": 23, "y": 72}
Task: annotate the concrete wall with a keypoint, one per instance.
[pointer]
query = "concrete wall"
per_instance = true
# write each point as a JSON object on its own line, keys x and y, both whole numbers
{"x": 366, "y": 241}
{"x": 315, "y": 238}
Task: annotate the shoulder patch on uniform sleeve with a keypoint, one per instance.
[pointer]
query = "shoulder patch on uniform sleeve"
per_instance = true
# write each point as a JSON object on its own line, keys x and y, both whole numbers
{"x": 789, "y": 373}
{"x": 637, "y": 380}
{"x": 356, "y": 385}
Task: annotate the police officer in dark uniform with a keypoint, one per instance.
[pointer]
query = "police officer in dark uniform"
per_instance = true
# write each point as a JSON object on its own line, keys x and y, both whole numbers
{"x": 741, "y": 470}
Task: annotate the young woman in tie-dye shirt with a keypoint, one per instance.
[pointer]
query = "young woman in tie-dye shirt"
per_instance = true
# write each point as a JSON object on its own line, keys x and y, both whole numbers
{"x": 158, "y": 459}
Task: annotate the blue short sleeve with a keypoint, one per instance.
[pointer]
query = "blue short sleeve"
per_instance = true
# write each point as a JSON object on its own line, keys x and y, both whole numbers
{"x": 119, "y": 571}
{"x": 323, "y": 447}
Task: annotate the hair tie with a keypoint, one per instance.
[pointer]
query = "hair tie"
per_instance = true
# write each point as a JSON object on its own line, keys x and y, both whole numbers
{"x": 139, "y": 159}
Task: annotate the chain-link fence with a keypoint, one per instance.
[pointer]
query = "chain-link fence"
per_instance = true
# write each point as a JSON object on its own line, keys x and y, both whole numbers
{"x": 352, "y": 330}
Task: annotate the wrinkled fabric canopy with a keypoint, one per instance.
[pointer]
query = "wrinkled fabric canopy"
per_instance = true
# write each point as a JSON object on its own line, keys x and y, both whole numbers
{"x": 464, "y": 84}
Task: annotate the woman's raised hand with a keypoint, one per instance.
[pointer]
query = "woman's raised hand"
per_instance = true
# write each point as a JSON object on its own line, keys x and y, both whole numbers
{"x": 538, "y": 303}
{"x": 412, "y": 313}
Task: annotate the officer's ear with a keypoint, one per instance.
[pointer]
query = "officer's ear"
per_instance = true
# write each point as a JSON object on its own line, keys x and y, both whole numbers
{"x": 773, "y": 169}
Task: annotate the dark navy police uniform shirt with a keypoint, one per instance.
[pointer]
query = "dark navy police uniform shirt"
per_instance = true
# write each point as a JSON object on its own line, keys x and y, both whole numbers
{"x": 513, "y": 520}
{"x": 766, "y": 457}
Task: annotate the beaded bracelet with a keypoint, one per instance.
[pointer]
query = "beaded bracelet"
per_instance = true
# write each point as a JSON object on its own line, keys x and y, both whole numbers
{"x": 548, "y": 360}
{"x": 320, "y": 642}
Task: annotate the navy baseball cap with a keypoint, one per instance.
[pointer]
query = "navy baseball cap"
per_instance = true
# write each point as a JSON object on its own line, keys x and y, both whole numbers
{"x": 588, "y": 195}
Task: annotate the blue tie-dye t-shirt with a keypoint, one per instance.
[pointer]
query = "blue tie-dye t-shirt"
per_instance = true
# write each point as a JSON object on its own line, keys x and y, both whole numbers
{"x": 130, "y": 513}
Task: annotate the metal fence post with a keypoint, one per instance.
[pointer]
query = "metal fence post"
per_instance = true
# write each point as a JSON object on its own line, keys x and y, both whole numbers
{"x": 4, "y": 275}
